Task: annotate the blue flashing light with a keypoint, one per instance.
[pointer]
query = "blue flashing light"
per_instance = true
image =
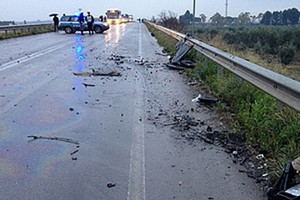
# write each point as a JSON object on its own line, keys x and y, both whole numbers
{"x": 80, "y": 57}
{"x": 79, "y": 49}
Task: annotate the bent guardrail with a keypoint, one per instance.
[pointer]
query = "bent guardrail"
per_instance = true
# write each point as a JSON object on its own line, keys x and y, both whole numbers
{"x": 15, "y": 29}
{"x": 281, "y": 87}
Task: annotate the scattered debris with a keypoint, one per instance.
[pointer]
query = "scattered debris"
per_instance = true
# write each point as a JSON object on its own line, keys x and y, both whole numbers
{"x": 74, "y": 152}
{"x": 176, "y": 62}
{"x": 260, "y": 156}
{"x": 197, "y": 99}
{"x": 52, "y": 138}
{"x": 175, "y": 67}
{"x": 287, "y": 187}
{"x": 88, "y": 85}
{"x": 296, "y": 164}
{"x": 82, "y": 73}
{"x": 161, "y": 54}
{"x": 193, "y": 83}
{"x": 112, "y": 73}
{"x": 187, "y": 63}
{"x": 57, "y": 139}
{"x": 97, "y": 73}
{"x": 116, "y": 57}
{"x": 205, "y": 100}
{"x": 235, "y": 153}
{"x": 110, "y": 185}
{"x": 182, "y": 123}
{"x": 140, "y": 62}
{"x": 182, "y": 48}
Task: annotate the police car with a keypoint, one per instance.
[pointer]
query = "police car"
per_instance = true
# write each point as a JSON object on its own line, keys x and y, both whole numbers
{"x": 70, "y": 24}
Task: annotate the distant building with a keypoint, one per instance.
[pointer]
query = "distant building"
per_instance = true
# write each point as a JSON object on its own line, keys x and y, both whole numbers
{"x": 187, "y": 19}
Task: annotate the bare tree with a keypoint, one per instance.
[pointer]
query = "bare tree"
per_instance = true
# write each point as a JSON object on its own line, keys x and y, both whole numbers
{"x": 169, "y": 19}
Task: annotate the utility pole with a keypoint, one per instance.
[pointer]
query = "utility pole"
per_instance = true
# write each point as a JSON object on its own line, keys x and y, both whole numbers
{"x": 194, "y": 12}
{"x": 226, "y": 8}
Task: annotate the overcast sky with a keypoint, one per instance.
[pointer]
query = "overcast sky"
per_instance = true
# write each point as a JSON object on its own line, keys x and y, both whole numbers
{"x": 29, "y": 10}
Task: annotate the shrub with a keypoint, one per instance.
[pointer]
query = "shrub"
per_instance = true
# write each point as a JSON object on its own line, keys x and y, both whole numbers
{"x": 282, "y": 42}
{"x": 287, "y": 54}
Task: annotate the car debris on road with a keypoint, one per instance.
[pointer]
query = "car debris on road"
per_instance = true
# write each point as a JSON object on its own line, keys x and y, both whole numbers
{"x": 52, "y": 138}
{"x": 287, "y": 187}
{"x": 97, "y": 73}
{"x": 177, "y": 62}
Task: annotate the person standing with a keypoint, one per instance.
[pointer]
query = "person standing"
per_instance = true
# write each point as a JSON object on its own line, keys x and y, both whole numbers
{"x": 56, "y": 22}
{"x": 90, "y": 21}
{"x": 81, "y": 22}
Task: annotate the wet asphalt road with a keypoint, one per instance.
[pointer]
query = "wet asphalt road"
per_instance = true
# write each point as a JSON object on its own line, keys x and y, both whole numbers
{"x": 110, "y": 140}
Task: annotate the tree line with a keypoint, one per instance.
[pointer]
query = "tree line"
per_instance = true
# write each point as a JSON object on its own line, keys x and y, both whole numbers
{"x": 266, "y": 38}
{"x": 286, "y": 17}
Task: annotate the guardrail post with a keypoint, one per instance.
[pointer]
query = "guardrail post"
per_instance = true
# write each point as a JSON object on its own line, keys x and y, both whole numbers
{"x": 14, "y": 31}
{"x": 6, "y": 32}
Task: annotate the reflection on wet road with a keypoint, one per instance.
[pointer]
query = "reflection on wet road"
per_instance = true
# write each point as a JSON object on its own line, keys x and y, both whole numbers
{"x": 92, "y": 135}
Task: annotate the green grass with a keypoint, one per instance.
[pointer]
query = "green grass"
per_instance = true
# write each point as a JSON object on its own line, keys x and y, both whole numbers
{"x": 269, "y": 126}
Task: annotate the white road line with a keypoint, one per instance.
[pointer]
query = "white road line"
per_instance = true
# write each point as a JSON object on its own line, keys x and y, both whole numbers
{"x": 137, "y": 185}
{"x": 29, "y": 57}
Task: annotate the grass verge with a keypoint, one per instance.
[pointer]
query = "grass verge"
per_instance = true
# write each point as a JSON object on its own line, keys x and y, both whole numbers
{"x": 269, "y": 127}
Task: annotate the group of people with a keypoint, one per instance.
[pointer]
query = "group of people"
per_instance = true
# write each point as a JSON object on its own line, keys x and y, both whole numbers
{"x": 89, "y": 19}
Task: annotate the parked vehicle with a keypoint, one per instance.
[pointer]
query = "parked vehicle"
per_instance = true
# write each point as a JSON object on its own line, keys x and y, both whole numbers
{"x": 70, "y": 24}
{"x": 125, "y": 18}
{"x": 130, "y": 18}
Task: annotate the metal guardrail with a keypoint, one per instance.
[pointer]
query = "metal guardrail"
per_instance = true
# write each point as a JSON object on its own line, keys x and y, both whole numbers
{"x": 24, "y": 28}
{"x": 281, "y": 87}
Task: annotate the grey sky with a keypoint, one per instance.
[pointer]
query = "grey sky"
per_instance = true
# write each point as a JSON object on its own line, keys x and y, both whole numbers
{"x": 20, "y": 10}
